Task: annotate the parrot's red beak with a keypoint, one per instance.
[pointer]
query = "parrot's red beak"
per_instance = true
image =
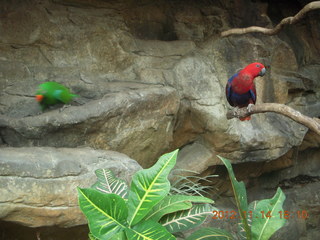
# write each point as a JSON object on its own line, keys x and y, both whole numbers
{"x": 39, "y": 98}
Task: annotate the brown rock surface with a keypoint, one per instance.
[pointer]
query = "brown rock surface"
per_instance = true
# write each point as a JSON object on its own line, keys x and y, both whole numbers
{"x": 39, "y": 184}
{"x": 151, "y": 78}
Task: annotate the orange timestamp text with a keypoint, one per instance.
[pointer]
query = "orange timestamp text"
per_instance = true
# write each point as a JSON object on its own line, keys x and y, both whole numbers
{"x": 303, "y": 214}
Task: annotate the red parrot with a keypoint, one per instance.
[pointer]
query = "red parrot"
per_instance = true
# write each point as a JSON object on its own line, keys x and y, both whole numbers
{"x": 240, "y": 88}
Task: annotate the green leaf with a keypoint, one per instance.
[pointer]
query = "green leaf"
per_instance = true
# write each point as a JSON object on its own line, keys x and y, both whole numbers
{"x": 210, "y": 234}
{"x": 185, "y": 182}
{"x": 186, "y": 219}
{"x": 149, "y": 186}
{"x": 174, "y": 203}
{"x": 240, "y": 195}
{"x": 91, "y": 237}
{"x": 106, "y": 213}
{"x": 149, "y": 230}
{"x": 119, "y": 236}
{"x": 108, "y": 183}
{"x": 266, "y": 218}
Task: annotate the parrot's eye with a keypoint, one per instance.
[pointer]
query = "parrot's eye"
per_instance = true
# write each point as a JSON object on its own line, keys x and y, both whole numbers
{"x": 258, "y": 66}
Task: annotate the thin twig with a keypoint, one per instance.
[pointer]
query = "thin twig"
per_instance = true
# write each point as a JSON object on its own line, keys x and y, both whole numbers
{"x": 272, "y": 31}
{"x": 311, "y": 123}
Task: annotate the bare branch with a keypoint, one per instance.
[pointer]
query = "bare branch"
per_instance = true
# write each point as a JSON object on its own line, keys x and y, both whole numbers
{"x": 272, "y": 31}
{"x": 311, "y": 123}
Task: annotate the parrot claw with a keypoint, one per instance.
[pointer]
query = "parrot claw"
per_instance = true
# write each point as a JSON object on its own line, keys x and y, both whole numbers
{"x": 235, "y": 112}
{"x": 249, "y": 108}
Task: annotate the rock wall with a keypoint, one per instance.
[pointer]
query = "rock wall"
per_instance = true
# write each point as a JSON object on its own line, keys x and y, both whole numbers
{"x": 151, "y": 78}
{"x": 100, "y": 51}
{"x": 39, "y": 185}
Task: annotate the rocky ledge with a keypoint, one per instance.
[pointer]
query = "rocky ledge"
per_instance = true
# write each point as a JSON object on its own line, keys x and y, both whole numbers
{"x": 39, "y": 184}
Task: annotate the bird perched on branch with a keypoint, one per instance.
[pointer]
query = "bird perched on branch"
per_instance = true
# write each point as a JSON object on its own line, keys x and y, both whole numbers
{"x": 240, "y": 88}
{"x": 51, "y": 93}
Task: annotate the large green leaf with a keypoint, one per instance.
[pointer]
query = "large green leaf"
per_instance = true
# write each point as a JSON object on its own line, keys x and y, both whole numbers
{"x": 106, "y": 213}
{"x": 210, "y": 234}
{"x": 149, "y": 186}
{"x": 119, "y": 236}
{"x": 91, "y": 237}
{"x": 108, "y": 183}
{"x": 174, "y": 203}
{"x": 148, "y": 230}
{"x": 186, "y": 219}
{"x": 240, "y": 195}
{"x": 265, "y": 216}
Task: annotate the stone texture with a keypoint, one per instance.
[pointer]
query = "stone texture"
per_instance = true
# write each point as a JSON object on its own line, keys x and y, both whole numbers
{"x": 305, "y": 164}
{"x": 129, "y": 121}
{"x": 196, "y": 158}
{"x": 202, "y": 74}
{"x": 39, "y": 184}
{"x": 102, "y": 53}
{"x": 151, "y": 78}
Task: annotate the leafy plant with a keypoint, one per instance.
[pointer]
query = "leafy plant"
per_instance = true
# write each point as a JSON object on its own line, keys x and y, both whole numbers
{"x": 187, "y": 182}
{"x": 210, "y": 234}
{"x": 145, "y": 211}
{"x": 259, "y": 221}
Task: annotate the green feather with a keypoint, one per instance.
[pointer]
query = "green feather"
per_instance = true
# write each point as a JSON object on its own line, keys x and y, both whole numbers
{"x": 54, "y": 93}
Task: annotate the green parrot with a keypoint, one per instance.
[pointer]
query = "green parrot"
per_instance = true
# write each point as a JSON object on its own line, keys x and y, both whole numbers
{"x": 51, "y": 93}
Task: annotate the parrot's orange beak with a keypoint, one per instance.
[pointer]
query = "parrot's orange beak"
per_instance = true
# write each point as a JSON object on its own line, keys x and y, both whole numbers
{"x": 39, "y": 98}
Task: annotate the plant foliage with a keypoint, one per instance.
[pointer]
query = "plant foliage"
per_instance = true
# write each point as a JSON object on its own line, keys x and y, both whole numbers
{"x": 260, "y": 220}
{"x": 186, "y": 219}
{"x": 187, "y": 182}
{"x": 108, "y": 183}
{"x": 266, "y": 219}
{"x": 108, "y": 210}
{"x": 148, "y": 212}
{"x": 149, "y": 186}
{"x": 240, "y": 195}
{"x": 210, "y": 234}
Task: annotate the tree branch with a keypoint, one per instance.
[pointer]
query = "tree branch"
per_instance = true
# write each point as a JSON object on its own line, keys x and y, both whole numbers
{"x": 311, "y": 123}
{"x": 272, "y": 31}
